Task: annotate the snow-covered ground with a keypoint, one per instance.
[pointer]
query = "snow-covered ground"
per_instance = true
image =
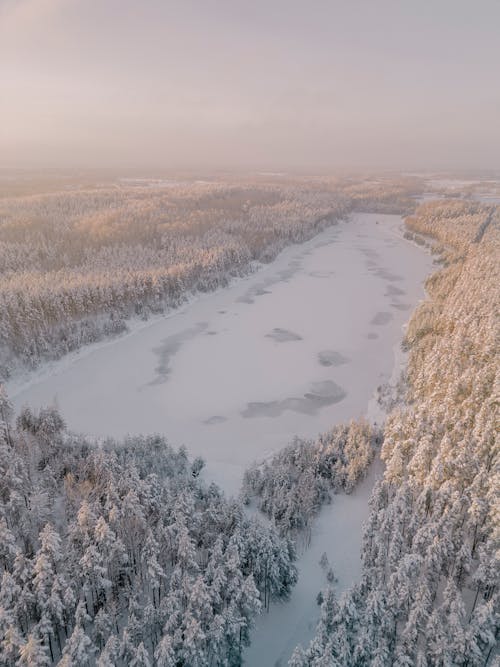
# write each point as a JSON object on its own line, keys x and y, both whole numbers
{"x": 290, "y": 350}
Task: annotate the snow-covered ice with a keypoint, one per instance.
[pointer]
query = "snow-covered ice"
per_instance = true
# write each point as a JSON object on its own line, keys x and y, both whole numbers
{"x": 288, "y": 350}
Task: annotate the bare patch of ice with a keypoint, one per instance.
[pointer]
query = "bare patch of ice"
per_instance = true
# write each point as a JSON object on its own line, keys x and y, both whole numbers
{"x": 321, "y": 394}
{"x": 283, "y": 335}
{"x": 381, "y": 318}
{"x": 369, "y": 252}
{"x": 260, "y": 289}
{"x": 321, "y": 274}
{"x": 216, "y": 419}
{"x": 387, "y": 275}
{"x": 392, "y": 290}
{"x": 331, "y": 358}
{"x": 169, "y": 348}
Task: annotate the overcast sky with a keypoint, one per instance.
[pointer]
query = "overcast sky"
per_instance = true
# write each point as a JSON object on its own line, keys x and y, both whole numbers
{"x": 255, "y": 83}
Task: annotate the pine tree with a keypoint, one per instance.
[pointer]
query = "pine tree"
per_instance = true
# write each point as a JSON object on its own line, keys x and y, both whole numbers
{"x": 79, "y": 649}
{"x": 33, "y": 653}
{"x": 6, "y": 413}
{"x": 164, "y": 654}
{"x": 140, "y": 658}
{"x": 109, "y": 654}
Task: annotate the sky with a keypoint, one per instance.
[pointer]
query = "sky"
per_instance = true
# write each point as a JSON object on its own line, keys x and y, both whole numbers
{"x": 274, "y": 84}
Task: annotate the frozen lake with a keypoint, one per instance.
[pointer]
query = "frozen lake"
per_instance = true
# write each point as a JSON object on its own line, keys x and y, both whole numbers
{"x": 235, "y": 374}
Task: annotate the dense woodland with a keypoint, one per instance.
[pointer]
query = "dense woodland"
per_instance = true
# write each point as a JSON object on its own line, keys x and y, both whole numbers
{"x": 117, "y": 554}
{"x": 77, "y": 263}
{"x": 429, "y": 594}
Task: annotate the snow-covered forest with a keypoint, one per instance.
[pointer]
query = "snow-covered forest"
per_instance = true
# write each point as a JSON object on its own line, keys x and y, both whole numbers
{"x": 429, "y": 593}
{"x": 119, "y": 555}
{"x": 77, "y": 263}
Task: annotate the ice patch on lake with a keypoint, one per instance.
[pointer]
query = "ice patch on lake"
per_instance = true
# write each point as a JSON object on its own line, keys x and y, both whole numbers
{"x": 169, "y": 348}
{"x": 283, "y": 335}
{"x": 392, "y": 290}
{"x": 370, "y": 253}
{"x": 331, "y": 358}
{"x": 321, "y": 274}
{"x": 321, "y": 394}
{"x": 261, "y": 288}
{"x": 382, "y": 318}
{"x": 216, "y": 419}
{"x": 387, "y": 275}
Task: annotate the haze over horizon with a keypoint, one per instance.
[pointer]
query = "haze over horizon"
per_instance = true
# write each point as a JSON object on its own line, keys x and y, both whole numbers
{"x": 268, "y": 85}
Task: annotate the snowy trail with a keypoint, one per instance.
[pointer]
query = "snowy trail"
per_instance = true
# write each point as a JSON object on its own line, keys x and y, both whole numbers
{"x": 290, "y": 350}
